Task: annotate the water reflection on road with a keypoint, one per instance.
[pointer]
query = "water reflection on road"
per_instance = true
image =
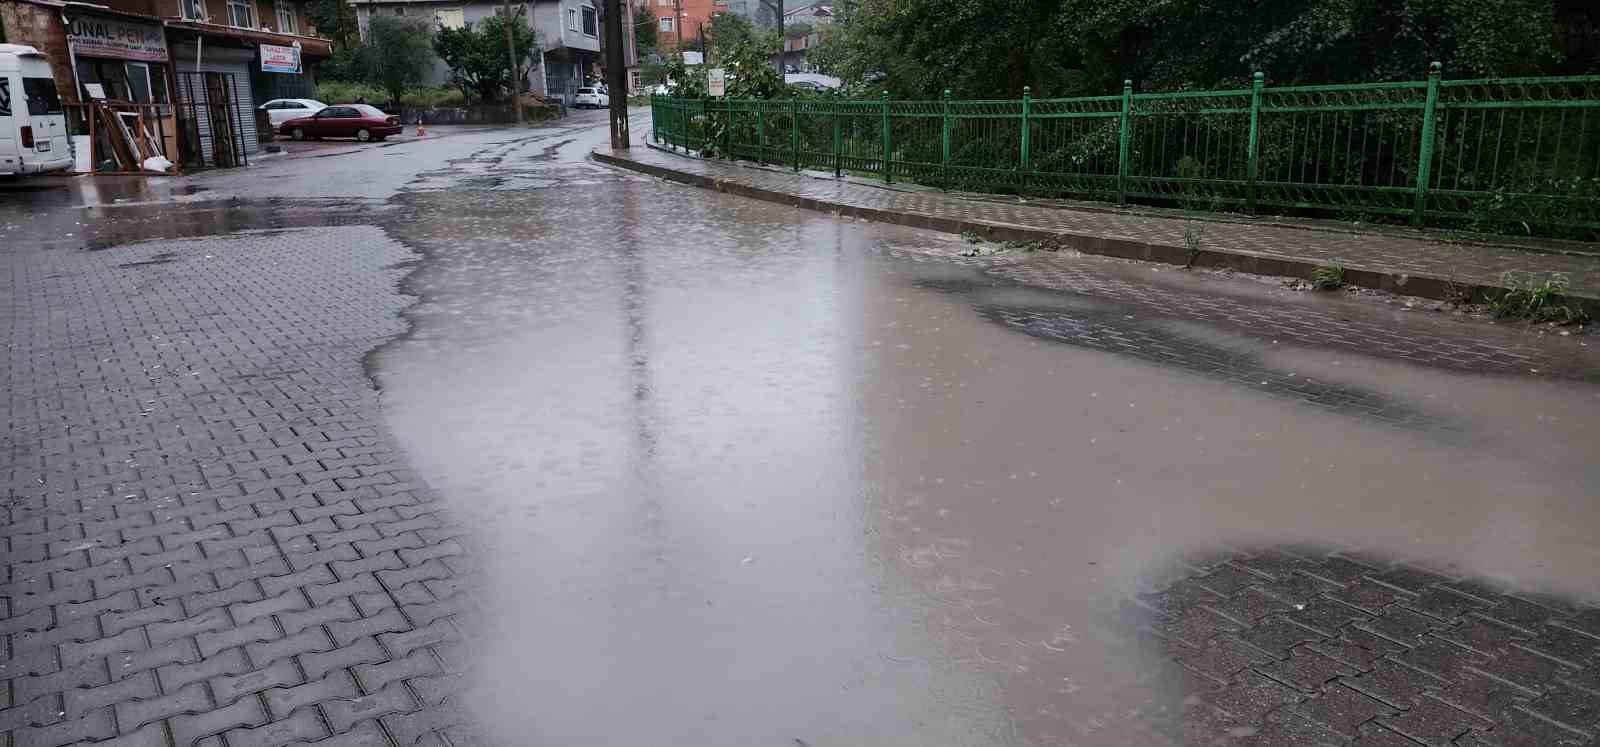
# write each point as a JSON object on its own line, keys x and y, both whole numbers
{"x": 741, "y": 478}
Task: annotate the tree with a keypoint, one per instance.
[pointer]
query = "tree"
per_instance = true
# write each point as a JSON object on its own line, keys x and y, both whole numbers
{"x": 335, "y": 19}
{"x": 646, "y": 34}
{"x": 728, "y": 31}
{"x": 476, "y": 56}
{"x": 993, "y": 48}
{"x": 397, "y": 54}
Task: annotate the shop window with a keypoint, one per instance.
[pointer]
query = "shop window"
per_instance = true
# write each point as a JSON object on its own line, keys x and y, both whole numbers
{"x": 242, "y": 14}
{"x": 137, "y": 82}
{"x": 287, "y": 23}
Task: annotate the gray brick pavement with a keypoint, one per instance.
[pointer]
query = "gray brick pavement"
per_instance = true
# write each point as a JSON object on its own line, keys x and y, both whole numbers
{"x": 1399, "y": 262}
{"x": 1296, "y": 646}
{"x": 208, "y": 530}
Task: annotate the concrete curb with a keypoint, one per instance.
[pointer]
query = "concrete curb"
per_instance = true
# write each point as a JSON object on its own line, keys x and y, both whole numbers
{"x": 1238, "y": 260}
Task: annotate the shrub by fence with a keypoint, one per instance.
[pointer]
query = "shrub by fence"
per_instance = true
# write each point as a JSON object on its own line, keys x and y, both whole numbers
{"x": 1509, "y": 155}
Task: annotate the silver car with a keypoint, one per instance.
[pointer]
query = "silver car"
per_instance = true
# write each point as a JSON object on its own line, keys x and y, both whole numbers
{"x": 283, "y": 110}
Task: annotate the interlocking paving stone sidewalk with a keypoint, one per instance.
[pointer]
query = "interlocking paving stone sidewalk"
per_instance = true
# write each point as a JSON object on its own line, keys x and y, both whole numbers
{"x": 1295, "y": 646}
{"x": 208, "y": 530}
{"x": 1463, "y": 264}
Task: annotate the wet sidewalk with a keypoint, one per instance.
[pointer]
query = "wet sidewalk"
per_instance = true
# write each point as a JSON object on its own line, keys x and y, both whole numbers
{"x": 1402, "y": 261}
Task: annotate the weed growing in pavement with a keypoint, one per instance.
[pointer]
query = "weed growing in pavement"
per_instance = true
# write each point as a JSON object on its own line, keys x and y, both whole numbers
{"x": 1194, "y": 239}
{"x": 1535, "y": 300}
{"x": 1327, "y": 278}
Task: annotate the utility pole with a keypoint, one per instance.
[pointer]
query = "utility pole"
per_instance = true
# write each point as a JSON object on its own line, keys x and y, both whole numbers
{"x": 783, "y": 42}
{"x": 511, "y": 49}
{"x": 617, "y": 75}
{"x": 677, "y": 24}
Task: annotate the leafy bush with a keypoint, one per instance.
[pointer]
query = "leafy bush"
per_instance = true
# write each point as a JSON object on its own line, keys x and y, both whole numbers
{"x": 430, "y": 98}
{"x": 345, "y": 92}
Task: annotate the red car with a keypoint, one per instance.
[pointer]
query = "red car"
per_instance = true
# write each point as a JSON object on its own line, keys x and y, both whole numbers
{"x": 359, "y": 121}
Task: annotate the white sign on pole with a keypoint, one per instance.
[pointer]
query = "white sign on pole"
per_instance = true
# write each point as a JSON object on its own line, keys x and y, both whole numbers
{"x": 717, "y": 82}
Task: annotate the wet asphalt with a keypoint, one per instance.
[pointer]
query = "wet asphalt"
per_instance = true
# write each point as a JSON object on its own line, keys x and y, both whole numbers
{"x": 742, "y": 474}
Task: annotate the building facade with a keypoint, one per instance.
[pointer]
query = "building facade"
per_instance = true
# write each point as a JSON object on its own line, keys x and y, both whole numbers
{"x": 681, "y": 23}
{"x": 193, "y": 66}
{"x": 814, "y": 21}
{"x": 568, "y": 32}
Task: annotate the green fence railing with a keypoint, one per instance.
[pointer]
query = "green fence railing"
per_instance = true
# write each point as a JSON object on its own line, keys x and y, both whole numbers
{"x": 1513, "y": 155}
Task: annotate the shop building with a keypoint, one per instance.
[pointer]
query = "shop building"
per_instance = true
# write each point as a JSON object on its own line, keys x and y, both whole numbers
{"x": 195, "y": 68}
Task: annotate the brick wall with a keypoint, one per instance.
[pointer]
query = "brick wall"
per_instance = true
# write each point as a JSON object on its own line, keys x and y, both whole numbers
{"x": 39, "y": 26}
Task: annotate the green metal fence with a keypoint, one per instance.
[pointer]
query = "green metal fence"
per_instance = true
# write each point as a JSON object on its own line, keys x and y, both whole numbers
{"x": 1519, "y": 155}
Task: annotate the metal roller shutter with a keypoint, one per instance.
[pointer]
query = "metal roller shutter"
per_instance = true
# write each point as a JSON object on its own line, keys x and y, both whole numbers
{"x": 223, "y": 61}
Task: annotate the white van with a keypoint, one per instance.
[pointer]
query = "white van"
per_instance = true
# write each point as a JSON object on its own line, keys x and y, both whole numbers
{"x": 33, "y": 124}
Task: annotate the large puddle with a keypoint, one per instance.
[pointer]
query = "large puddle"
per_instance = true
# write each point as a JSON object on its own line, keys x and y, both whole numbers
{"x": 740, "y": 478}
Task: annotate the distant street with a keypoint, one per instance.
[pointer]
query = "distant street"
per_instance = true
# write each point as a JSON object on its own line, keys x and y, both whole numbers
{"x": 647, "y": 464}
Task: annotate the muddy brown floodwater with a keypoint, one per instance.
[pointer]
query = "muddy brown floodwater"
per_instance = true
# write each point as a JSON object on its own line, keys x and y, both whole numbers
{"x": 742, "y": 475}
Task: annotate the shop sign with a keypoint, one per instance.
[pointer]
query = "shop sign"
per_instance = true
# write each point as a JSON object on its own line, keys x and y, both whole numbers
{"x": 276, "y": 59}
{"x": 116, "y": 38}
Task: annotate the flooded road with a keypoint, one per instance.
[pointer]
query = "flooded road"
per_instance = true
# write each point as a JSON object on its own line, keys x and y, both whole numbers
{"x": 683, "y": 468}
{"x": 747, "y": 475}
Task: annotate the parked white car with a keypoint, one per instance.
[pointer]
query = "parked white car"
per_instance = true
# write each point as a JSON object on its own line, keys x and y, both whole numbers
{"x": 591, "y": 98}
{"x": 283, "y": 110}
{"x": 33, "y": 123}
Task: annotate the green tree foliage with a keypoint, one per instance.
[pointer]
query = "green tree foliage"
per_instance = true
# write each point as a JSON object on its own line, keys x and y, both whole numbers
{"x": 982, "y": 48}
{"x": 478, "y": 59}
{"x": 397, "y": 54}
{"x": 646, "y": 32}
{"x": 728, "y": 31}
{"x": 746, "y": 55}
{"x": 336, "y": 20}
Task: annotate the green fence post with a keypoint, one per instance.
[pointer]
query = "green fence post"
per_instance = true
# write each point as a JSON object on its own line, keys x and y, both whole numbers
{"x": 1027, "y": 108}
{"x": 944, "y": 158}
{"x": 1253, "y": 167}
{"x": 838, "y": 145}
{"x": 794, "y": 133}
{"x": 1125, "y": 141}
{"x": 761, "y": 133}
{"x": 1425, "y": 153}
{"x": 727, "y": 129}
{"x": 888, "y": 147}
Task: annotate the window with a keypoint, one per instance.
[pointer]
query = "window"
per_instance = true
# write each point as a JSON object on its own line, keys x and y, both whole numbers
{"x": 591, "y": 22}
{"x": 664, "y": 3}
{"x": 242, "y": 14}
{"x": 666, "y": 24}
{"x": 5, "y": 97}
{"x": 450, "y": 18}
{"x": 399, "y": 10}
{"x": 138, "y": 82}
{"x": 572, "y": 19}
{"x": 41, "y": 93}
{"x": 286, "y": 21}
{"x": 192, "y": 10}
